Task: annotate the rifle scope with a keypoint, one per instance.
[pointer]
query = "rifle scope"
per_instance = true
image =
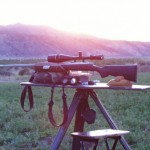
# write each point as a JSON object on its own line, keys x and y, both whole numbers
{"x": 58, "y": 58}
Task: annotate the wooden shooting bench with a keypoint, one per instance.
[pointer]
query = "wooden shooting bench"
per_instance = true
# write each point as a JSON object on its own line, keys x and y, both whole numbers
{"x": 80, "y": 102}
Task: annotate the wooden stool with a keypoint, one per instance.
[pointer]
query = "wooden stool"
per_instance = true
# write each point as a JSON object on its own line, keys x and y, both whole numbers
{"x": 94, "y": 136}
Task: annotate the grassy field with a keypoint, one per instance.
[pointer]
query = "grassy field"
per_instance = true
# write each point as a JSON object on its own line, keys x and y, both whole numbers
{"x": 32, "y": 130}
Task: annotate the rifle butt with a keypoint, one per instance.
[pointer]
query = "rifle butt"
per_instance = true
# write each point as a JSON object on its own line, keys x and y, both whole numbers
{"x": 128, "y": 71}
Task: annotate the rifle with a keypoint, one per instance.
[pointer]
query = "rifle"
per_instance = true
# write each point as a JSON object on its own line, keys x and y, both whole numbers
{"x": 58, "y": 64}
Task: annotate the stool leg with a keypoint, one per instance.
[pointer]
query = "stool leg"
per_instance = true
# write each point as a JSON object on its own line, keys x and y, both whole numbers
{"x": 106, "y": 142}
{"x": 115, "y": 143}
{"x": 95, "y": 146}
{"x": 93, "y": 141}
{"x": 82, "y": 145}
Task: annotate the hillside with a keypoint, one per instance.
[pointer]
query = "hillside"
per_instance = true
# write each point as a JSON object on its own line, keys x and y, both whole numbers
{"x": 23, "y": 41}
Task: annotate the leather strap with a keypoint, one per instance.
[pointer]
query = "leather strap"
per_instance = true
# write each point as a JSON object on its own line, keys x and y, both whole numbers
{"x": 50, "y": 109}
{"x": 27, "y": 89}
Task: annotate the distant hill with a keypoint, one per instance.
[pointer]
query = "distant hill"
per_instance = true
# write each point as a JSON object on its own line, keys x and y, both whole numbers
{"x": 24, "y": 41}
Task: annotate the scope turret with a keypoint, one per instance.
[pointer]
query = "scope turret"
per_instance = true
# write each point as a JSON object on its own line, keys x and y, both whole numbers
{"x": 58, "y": 58}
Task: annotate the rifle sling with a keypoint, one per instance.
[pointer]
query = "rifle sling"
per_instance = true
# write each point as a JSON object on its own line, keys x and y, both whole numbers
{"x": 50, "y": 110}
{"x": 30, "y": 95}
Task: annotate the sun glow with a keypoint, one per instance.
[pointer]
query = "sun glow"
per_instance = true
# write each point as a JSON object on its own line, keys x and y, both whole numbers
{"x": 117, "y": 19}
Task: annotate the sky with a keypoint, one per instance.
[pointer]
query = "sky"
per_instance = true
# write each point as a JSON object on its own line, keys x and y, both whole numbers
{"x": 110, "y": 19}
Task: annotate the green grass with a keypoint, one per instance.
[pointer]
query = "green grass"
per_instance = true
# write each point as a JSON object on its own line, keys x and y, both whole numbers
{"x": 21, "y": 130}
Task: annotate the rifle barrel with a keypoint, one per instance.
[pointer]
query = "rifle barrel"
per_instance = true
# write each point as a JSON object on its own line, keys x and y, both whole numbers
{"x": 16, "y": 65}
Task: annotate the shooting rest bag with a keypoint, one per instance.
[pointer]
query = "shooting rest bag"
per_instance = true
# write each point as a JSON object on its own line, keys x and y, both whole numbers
{"x": 119, "y": 81}
{"x": 28, "y": 89}
{"x": 47, "y": 77}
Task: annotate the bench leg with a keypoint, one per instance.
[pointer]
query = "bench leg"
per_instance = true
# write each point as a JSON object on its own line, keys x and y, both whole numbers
{"x": 79, "y": 121}
{"x": 63, "y": 129}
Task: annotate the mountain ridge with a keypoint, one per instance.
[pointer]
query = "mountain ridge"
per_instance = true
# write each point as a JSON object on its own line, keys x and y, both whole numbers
{"x": 26, "y": 41}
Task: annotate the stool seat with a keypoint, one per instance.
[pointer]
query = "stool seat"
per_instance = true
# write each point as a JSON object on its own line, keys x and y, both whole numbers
{"x": 97, "y": 134}
{"x": 94, "y": 136}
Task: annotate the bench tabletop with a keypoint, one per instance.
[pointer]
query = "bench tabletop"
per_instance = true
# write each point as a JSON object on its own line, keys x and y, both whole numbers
{"x": 96, "y": 86}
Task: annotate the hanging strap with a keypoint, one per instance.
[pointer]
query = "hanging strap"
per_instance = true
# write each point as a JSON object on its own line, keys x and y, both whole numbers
{"x": 50, "y": 109}
{"x": 27, "y": 89}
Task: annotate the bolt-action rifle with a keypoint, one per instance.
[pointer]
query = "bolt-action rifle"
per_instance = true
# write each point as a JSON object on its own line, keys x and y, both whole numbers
{"x": 58, "y": 63}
